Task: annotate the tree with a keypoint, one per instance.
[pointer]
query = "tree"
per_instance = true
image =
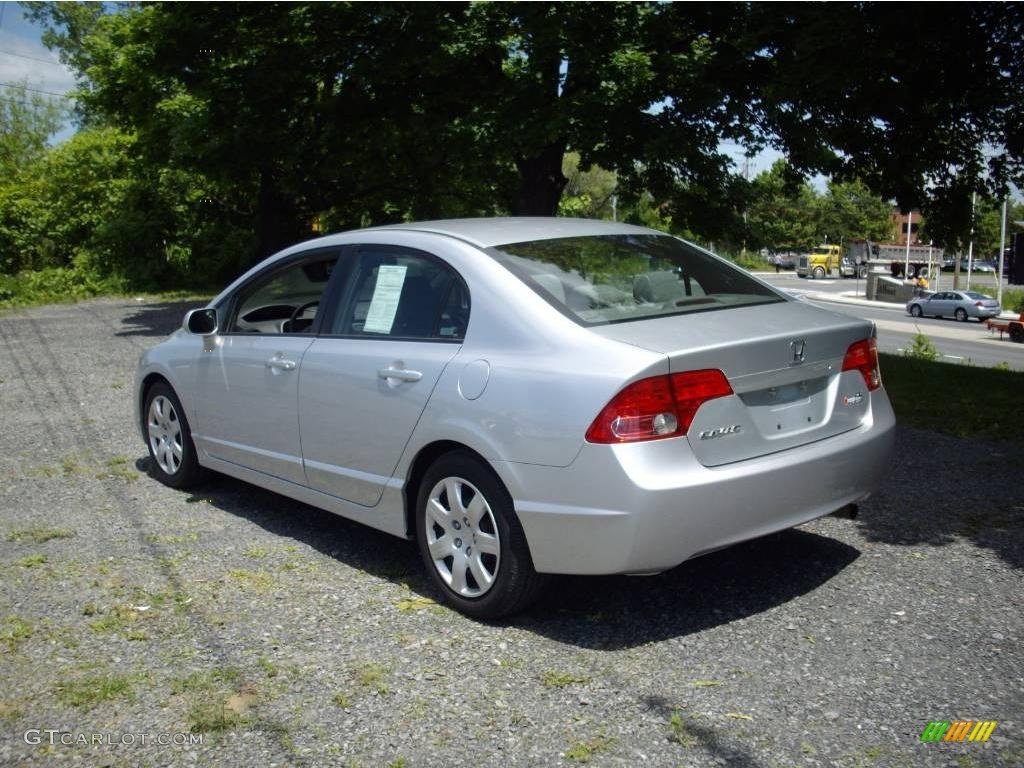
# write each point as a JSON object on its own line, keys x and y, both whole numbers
{"x": 850, "y": 209}
{"x": 781, "y": 211}
{"x": 27, "y": 120}
{"x": 587, "y": 194}
{"x": 371, "y": 112}
{"x": 909, "y": 100}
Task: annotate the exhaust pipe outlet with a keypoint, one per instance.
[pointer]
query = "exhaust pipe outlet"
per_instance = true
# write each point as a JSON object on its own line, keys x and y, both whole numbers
{"x": 849, "y": 512}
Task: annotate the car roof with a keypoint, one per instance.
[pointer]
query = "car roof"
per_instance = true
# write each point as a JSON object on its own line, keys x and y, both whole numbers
{"x": 489, "y": 232}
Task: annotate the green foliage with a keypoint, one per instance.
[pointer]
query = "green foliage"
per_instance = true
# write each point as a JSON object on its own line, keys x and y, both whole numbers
{"x": 850, "y": 209}
{"x": 921, "y": 348}
{"x": 785, "y": 213}
{"x": 781, "y": 213}
{"x": 54, "y": 284}
{"x": 955, "y": 399}
{"x": 588, "y": 193}
{"x": 1013, "y": 299}
{"x": 907, "y": 100}
{"x": 206, "y": 146}
{"x": 27, "y": 120}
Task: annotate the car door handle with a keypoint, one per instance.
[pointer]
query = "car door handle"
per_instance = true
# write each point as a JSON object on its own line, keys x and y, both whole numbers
{"x": 401, "y": 374}
{"x": 281, "y": 364}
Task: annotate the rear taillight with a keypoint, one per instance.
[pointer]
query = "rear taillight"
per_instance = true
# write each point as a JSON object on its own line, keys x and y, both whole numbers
{"x": 978, "y": 304}
{"x": 863, "y": 356}
{"x": 657, "y": 407}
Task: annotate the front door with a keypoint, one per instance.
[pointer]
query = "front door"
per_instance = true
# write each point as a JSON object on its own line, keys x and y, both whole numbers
{"x": 248, "y": 410}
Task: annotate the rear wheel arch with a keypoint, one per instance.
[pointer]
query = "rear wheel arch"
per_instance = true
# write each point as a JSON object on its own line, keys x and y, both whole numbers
{"x": 427, "y": 455}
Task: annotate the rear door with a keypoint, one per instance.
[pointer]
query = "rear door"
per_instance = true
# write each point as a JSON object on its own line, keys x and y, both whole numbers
{"x": 365, "y": 381}
{"x": 937, "y": 304}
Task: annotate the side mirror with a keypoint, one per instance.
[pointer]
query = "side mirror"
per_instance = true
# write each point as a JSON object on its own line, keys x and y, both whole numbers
{"x": 201, "y": 322}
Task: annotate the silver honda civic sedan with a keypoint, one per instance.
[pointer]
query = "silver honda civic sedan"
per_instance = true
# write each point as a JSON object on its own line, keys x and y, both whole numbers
{"x": 523, "y": 397}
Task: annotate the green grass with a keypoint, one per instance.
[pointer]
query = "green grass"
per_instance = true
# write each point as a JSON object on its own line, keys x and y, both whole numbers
{"x": 585, "y": 751}
{"x": 371, "y": 675}
{"x": 679, "y": 732}
{"x": 552, "y": 679}
{"x": 1013, "y": 299}
{"x": 959, "y": 400}
{"x": 87, "y": 692}
{"x": 14, "y": 631}
{"x": 39, "y": 535}
{"x": 58, "y": 285}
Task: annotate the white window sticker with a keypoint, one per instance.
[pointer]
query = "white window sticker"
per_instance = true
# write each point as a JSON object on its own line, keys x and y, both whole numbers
{"x": 384, "y": 304}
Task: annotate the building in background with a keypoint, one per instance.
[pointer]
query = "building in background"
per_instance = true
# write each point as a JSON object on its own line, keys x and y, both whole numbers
{"x": 899, "y": 226}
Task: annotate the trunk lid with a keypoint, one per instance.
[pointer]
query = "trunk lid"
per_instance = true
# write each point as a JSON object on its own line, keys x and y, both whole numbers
{"x": 784, "y": 363}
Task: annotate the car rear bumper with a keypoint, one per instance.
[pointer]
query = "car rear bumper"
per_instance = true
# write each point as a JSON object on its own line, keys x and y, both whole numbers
{"x": 646, "y": 507}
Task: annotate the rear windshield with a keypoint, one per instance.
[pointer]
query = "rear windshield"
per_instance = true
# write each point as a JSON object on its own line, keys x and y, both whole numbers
{"x": 977, "y": 296}
{"x": 617, "y": 278}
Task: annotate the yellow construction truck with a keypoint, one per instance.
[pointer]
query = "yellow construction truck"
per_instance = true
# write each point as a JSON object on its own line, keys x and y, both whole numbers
{"x": 820, "y": 262}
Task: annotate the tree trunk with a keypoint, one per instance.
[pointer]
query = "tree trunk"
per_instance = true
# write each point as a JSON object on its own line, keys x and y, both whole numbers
{"x": 277, "y": 223}
{"x": 540, "y": 182}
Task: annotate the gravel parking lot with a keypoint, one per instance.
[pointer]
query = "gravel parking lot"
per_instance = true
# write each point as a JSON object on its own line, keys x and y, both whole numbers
{"x": 277, "y": 634}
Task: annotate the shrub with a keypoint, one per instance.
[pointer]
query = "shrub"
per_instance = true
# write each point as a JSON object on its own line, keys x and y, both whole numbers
{"x": 921, "y": 348}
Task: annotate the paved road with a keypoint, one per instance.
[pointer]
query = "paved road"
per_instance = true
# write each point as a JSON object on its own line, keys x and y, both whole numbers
{"x": 968, "y": 342}
{"x": 285, "y": 636}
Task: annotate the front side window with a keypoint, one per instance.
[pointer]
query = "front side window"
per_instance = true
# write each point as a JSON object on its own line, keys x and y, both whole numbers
{"x": 286, "y": 300}
{"x": 617, "y": 278}
{"x": 396, "y": 293}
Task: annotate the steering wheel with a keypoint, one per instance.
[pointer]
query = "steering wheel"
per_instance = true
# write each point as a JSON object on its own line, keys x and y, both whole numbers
{"x": 289, "y": 325}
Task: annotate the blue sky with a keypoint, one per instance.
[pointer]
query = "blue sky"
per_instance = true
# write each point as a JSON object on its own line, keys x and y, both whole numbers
{"x": 23, "y": 57}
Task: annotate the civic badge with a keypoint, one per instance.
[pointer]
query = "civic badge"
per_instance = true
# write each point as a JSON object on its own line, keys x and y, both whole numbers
{"x": 797, "y": 348}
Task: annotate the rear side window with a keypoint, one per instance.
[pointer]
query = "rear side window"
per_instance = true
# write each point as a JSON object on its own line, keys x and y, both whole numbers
{"x": 618, "y": 278}
{"x": 400, "y": 294}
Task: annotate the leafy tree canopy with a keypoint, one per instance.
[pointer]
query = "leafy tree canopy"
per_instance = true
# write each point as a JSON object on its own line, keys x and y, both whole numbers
{"x": 300, "y": 114}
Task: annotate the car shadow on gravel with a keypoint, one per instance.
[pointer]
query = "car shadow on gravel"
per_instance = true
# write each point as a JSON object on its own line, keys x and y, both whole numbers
{"x": 158, "y": 320}
{"x": 599, "y": 612}
{"x": 613, "y": 612}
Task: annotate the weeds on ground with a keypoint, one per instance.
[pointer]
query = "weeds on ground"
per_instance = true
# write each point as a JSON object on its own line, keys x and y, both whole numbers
{"x": 14, "y": 632}
{"x": 87, "y": 692}
{"x": 585, "y": 751}
{"x": 553, "y": 679}
{"x": 921, "y": 348}
{"x": 40, "y": 535}
{"x": 679, "y": 733}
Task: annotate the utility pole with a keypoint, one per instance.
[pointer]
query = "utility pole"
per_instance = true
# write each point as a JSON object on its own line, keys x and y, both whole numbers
{"x": 970, "y": 245}
{"x": 1002, "y": 254}
{"x": 910, "y": 222}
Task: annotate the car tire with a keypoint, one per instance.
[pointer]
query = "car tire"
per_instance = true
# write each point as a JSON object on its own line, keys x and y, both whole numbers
{"x": 1017, "y": 333}
{"x": 915, "y": 310}
{"x": 961, "y": 314}
{"x": 862, "y": 271}
{"x": 446, "y": 543}
{"x": 819, "y": 273}
{"x": 169, "y": 439}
